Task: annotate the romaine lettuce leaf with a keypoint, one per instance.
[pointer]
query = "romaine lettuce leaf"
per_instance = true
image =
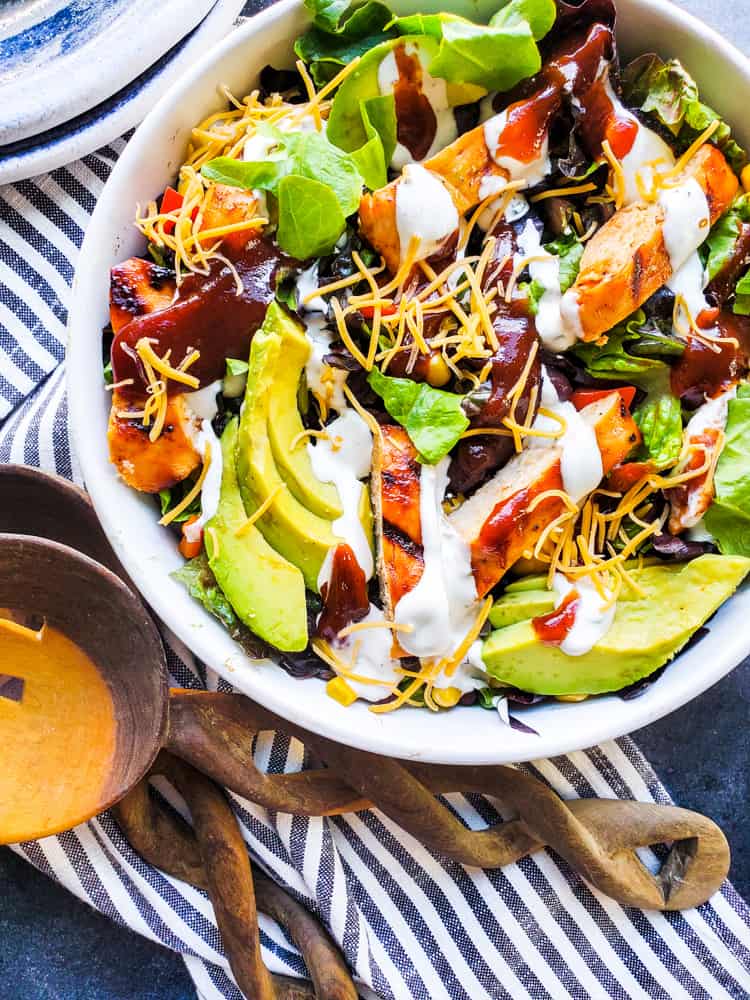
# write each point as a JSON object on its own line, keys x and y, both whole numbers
{"x": 728, "y": 518}
{"x": 569, "y": 250}
{"x": 372, "y": 159}
{"x": 660, "y": 421}
{"x": 612, "y": 360}
{"x": 308, "y": 166}
{"x": 498, "y": 55}
{"x": 310, "y": 217}
{"x": 742, "y": 299}
{"x": 540, "y": 15}
{"x": 334, "y": 39}
{"x": 433, "y": 419}
{"x": 666, "y": 90}
{"x": 198, "y": 578}
{"x": 723, "y": 237}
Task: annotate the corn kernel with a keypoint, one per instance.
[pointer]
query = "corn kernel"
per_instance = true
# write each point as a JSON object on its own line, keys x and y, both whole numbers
{"x": 745, "y": 177}
{"x": 438, "y": 372}
{"x": 338, "y": 689}
{"x": 446, "y": 697}
{"x": 572, "y": 699}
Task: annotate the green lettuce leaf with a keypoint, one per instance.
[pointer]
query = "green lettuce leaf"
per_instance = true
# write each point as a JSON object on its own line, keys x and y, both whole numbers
{"x": 660, "y": 420}
{"x": 308, "y": 166}
{"x": 304, "y": 154}
{"x": 237, "y": 173}
{"x": 742, "y": 299}
{"x": 372, "y": 159}
{"x": 196, "y": 575}
{"x": 169, "y": 498}
{"x": 570, "y": 250}
{"x": 433, "y": 418}
{"x": 613, "y": 360}
{"x": 540, "y": 15}
{"x": 236, "y": 367}
{"x": 666, "y": 90}
{"x": 310, "y": 217}
{"x": 723, "y": 236}
{"x": 493, "y": 57}
{"x": 334, "y": 40}
{"x": 728, "y": 518}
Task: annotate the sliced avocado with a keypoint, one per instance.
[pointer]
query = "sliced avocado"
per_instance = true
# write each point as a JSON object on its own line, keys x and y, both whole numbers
{"x": 299, "y": 535}
{"x": 646, "y": 633}
{"x": 285, "y": 424}
{"x": 521, "y": 606}
{"x": 266, "y": 591}
{"x": 526, "y": 583}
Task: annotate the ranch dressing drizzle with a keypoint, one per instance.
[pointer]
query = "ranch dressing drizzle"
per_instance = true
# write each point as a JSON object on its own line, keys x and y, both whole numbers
{"x": 581, "y": 462}
{"x": 344, "y": 459}
{"x": 204, "y": 408}
{"x": 424, "y": 209}
{"x": 325, "y": 382}
{"x": 687, "y": 219}
{"x": 432, "y": 89}
{"x": 442, "y": 606}
{"x": 546, "y": 271}
{"x": 373, "y": 658}
{"x": 592, "y": 618}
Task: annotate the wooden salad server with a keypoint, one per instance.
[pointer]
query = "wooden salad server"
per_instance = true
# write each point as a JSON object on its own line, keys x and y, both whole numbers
{"x": 194, "y": 736}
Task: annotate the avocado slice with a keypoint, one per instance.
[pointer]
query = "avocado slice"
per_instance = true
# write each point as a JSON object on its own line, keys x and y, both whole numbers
{"x": 285, "y": 423}
{"x": 647, "y": 632}
{"x": 266, "y": 591}
{"x": 294, "y": 531}
{"x": 521, "y": 606}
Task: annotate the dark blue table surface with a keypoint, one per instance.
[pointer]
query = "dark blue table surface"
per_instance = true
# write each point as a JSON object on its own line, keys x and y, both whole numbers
{"x": 52, "y": 947}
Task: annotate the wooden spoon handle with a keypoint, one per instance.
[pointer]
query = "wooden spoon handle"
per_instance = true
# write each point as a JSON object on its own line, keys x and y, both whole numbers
{"x": 598, "y": 838}
{"x": 213, "y": 856}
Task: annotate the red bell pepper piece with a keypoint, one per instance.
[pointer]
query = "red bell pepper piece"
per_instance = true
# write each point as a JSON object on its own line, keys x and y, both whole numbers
{"x": 584, "y": 397}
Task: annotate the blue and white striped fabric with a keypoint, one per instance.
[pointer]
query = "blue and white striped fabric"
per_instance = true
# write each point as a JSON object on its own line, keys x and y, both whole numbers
{"x": 412, "y": 927}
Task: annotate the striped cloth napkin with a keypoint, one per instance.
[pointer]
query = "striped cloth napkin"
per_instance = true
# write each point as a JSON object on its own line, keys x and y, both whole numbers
{"x": 411, "y": 926}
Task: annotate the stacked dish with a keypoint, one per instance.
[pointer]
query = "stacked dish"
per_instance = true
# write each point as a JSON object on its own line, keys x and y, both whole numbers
{"x": 61, "y": 91}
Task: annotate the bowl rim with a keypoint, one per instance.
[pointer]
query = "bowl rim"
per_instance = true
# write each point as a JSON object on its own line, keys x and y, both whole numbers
{"x": 584, "y": 725}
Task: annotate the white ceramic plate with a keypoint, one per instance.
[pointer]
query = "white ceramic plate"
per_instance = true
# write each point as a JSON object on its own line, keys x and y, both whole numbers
{"x": 121, "y": 111}
{"x": 465, "y": 735}
{"x": 59, "y": 58}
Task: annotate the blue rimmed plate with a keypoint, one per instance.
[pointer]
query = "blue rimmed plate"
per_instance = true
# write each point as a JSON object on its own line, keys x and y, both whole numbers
{"x": 98, "y": 125}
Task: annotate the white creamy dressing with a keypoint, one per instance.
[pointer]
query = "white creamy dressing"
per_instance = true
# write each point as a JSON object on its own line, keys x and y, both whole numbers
{"x": 687, "y": 220}
{"x": 424, "y": 209}
{"x": 203, "y": 406}
{"x": 258, "y": 148}
{"x": 373, "y": 658}
{"x": 690, "y": 282}
{"x": 516, "y": 208}
{"x": 307, "y": 283}
{"x": 532, "y": 172}
{"x": 649, "y": 153}
{"x": 546, "y": 271}
{"x": 443, "y": 604}
{"x": 713, "y": 415}
{"x": 344, "y": 459}
{"x": 581, "y": 462}
{"x": 323, "y": 380}
{"x": 700, "y": 533}
{"x": 436, "y": 92}
{"x": 592, "y": 619}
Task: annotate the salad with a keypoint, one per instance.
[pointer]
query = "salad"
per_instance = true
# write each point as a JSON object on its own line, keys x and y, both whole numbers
{"x": 436, "y": 359}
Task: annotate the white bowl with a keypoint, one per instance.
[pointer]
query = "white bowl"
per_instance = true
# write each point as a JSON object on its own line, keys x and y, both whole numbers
{"x": 148, "y": 552}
